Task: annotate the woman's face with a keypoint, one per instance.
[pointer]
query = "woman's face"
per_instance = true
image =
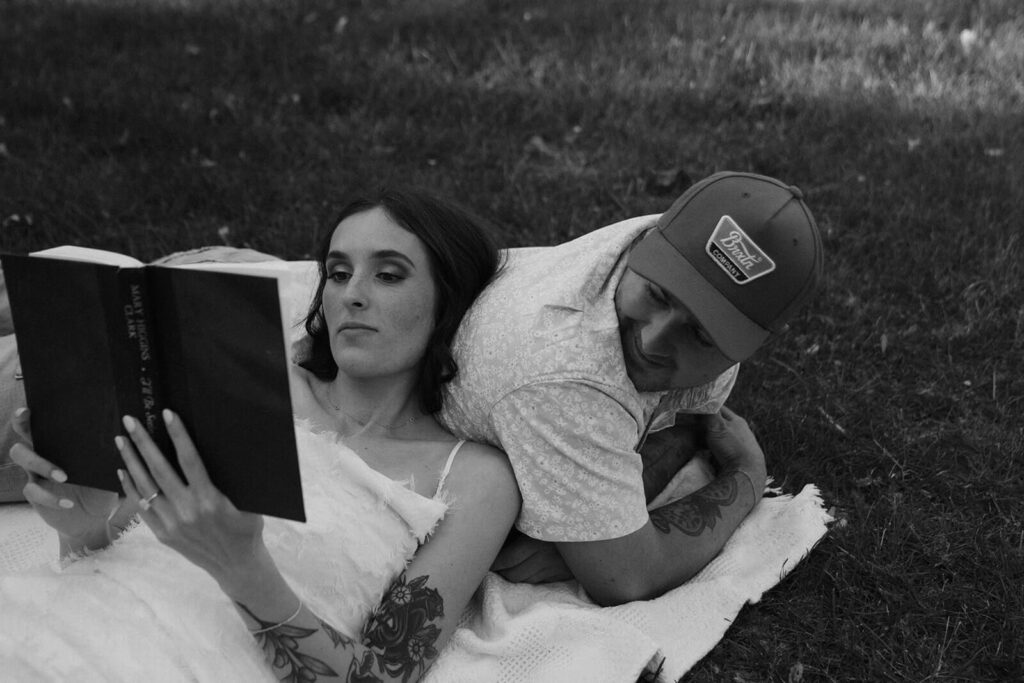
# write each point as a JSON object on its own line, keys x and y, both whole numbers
{"x": 379, "y": 298}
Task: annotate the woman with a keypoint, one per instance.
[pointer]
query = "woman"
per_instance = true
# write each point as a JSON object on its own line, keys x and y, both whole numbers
{"x": 359, "y": 591}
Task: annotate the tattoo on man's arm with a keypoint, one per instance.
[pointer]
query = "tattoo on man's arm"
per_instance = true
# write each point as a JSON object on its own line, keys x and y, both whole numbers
{"x": 700, "y": 511}
{"x": 400, "y": 637}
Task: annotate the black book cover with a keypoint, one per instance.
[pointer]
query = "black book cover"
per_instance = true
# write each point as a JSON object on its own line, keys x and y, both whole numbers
{"x": 99, "y": 341}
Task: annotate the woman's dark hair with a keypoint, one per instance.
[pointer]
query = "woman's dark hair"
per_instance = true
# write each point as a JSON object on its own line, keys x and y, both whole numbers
{"x": 463, "y": 259}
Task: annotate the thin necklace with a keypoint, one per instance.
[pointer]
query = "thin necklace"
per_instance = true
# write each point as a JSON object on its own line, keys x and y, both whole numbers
{"x": 385, "y": 427}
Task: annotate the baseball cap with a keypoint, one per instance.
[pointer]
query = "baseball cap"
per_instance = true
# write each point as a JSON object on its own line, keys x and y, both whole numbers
{"x": 741, "y": 251}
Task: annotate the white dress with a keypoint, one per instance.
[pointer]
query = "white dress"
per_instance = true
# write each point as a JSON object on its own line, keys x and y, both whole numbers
{"x": 138, "y": 611}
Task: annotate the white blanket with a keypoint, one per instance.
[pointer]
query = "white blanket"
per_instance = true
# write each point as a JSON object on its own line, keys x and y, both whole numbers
{"x": 517, "y": 632}
{"x": 553, "y": 633}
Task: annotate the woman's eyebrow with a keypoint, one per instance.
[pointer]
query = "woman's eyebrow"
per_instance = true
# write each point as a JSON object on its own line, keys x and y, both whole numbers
{"x": 380, "y": 255}
{"x": 391, "y": 254}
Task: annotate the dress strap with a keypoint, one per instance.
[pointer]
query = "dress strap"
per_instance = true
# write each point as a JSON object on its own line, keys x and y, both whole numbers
{"x": 448, "y": 466}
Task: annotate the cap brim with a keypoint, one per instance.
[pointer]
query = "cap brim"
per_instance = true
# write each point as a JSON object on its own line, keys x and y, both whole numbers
{"x": 735, "y": 335}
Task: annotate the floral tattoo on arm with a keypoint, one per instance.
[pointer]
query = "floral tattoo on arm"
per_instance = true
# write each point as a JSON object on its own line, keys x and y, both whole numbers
{"x": 281, "y": 647}
{"x": 401, "y": 635}
{"x": 698, "y": 512}
{"x": 400, "y": 638}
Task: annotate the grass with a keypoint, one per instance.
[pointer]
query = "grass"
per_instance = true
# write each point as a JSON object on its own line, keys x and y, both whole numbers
{"x": 152, "y": 125}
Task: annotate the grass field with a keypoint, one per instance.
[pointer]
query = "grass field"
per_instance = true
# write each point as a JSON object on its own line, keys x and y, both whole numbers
{"x": 156, "y": 125}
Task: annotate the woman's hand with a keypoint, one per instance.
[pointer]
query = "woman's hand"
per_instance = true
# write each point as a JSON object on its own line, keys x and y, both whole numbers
{"x": 78, "y": 513}
{"x": 191, "y": 516}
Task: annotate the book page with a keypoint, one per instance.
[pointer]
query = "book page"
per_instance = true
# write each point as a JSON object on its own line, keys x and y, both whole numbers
{"x": 73, "y": 253}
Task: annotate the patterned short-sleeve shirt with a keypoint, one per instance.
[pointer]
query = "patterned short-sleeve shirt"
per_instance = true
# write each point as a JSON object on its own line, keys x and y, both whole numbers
{"x": 542, "y": 376}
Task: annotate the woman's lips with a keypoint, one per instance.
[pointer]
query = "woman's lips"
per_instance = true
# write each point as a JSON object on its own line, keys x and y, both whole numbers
{"x": 355, "y": 330}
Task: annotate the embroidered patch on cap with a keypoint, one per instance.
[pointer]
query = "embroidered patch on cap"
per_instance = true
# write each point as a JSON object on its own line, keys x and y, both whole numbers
{"x": 737, "y": 254}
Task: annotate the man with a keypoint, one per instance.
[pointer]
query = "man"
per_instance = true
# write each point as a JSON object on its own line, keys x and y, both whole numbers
{"x": 576, "y": 353}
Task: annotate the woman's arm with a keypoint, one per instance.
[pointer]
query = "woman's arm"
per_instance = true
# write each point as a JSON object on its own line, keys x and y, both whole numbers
{"x": 418, "y": 612}
{"x": 421, "y": 608}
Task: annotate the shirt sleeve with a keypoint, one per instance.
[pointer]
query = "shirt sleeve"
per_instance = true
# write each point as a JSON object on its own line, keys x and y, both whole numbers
{"x": 705, "y": 399}
{"x": 572, "y": 447}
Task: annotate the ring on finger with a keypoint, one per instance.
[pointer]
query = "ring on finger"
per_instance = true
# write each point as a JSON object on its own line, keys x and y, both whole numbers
{"x": 146, "y": 502}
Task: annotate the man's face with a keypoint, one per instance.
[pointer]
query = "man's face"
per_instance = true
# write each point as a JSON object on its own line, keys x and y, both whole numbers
{"x": 662, "y": 343}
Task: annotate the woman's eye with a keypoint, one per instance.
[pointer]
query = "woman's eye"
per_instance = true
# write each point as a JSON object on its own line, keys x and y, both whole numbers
{"x": 389, "y": 278}
{"x": 338, "y": 276}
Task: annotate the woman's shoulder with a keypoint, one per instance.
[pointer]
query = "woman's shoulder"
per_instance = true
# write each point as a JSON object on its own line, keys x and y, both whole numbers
{"x": 481, "y": 490}
{"x": 482, "y": 468}
{"x": 301, "y": 382}
{"x": 483, "y": 455}
{"x": 297, "y": 373}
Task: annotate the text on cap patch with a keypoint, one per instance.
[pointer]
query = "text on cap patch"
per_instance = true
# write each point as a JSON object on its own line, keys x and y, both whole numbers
{"x": 737, "y": 254}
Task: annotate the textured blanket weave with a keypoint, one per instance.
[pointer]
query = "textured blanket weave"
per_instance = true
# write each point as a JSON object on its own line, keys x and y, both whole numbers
{"x": 554, "y": 633}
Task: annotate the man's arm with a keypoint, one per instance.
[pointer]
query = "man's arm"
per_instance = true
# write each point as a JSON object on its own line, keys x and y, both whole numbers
{"x": 680, "y": 538}
{"x": 667, "y": 451}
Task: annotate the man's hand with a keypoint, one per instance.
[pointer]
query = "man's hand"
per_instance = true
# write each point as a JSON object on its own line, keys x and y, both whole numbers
{"x": 666, "y": 451}
{"x": 682, "y": 536}
{"x": 527, "y": 560}
{"x": 734, "y": 448}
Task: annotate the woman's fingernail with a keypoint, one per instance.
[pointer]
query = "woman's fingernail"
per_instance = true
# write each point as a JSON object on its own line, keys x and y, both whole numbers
{"x": 66, "y": 504}
{"x": 129, "y": 423}
{"x": 20, "y": 411}
{"x": 120, "y": 475}
{"x": 59, "y": 476}
{"x": 119, "y": 443}
{"x": 168, "y": 416}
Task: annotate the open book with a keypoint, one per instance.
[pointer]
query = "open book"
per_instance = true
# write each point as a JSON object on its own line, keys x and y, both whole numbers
{"x": 101, "y": 335}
